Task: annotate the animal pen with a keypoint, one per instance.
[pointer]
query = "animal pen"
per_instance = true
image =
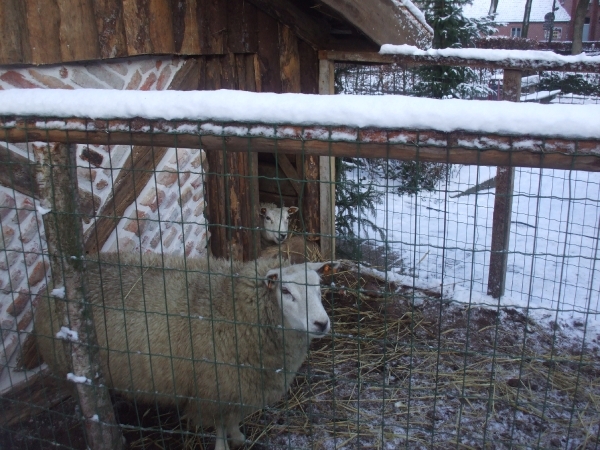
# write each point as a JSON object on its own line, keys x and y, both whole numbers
{"x": 470, "y": 320}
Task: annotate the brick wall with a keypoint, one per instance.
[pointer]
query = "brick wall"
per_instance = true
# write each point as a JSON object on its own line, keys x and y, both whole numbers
{"x": 167, "y": 216}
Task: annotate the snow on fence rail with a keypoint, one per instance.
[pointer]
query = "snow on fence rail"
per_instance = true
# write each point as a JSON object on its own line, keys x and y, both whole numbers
{"x": 452, "y": 131}
{"x": 471, "y": 57}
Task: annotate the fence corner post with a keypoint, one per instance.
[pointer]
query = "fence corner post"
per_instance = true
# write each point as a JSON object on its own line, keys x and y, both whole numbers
{"x": 505, "y": 176}
{"x": 57, "y": 177}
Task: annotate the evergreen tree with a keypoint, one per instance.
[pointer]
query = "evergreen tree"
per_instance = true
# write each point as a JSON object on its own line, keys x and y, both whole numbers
{"x": 451, "y": 29}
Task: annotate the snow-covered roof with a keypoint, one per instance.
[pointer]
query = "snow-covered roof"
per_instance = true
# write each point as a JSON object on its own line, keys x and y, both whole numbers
{"x": 513, "y": 10}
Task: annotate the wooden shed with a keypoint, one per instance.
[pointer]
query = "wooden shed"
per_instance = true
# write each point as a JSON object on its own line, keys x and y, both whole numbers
{"x": 252, "y": 45}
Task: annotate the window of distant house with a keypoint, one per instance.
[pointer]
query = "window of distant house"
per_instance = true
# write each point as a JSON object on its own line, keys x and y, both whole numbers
{"x": 515, "y": 32}
{"x": 556, "y": 34}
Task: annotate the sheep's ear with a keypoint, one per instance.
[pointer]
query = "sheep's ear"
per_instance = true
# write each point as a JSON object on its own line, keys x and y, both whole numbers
{"x": 292, "y": 210}
{"x": 271, "y": 280}
{"x": 263, "y": 211}
{"x": 326, "y": 268}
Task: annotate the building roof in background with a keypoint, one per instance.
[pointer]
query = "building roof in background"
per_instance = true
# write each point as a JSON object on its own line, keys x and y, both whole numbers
{"x": 513, "y": 10}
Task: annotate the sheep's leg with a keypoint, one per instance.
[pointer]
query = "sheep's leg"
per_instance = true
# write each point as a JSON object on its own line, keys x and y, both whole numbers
{"x": 221, "y": 443}
{"x": 233, "y": 429}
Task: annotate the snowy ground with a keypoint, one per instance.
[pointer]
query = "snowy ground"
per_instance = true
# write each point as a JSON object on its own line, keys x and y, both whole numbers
{"x": 444, "y": 240}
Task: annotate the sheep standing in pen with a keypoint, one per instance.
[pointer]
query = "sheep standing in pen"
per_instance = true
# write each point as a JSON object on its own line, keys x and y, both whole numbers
{"x": 218, "y": 339}
{"x": 275, "y": 223}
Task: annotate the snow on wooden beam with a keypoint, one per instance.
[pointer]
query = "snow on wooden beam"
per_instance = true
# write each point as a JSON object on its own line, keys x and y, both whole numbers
{"x": 457, "y": 147}
{"x": 470, "y": 57}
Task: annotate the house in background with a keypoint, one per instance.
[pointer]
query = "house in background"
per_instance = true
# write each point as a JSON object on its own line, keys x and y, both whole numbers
{"x": 510, "y": 15}
{"x": 591, "y": 27}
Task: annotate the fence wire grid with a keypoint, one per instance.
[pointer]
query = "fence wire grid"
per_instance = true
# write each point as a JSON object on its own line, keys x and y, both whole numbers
{"x": 418, "y": 356}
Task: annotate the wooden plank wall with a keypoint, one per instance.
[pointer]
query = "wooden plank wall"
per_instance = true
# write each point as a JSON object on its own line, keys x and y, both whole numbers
{"x": 48, "y": 32}
{"x": 281, "y": 63}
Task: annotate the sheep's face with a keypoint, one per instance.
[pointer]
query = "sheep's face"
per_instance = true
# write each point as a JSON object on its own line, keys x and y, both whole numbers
{"x": 299, "y": 292}
{"x": 275, "y": 223}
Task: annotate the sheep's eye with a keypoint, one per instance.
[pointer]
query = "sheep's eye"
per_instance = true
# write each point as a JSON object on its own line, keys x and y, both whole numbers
{"x": 285, "y": 291}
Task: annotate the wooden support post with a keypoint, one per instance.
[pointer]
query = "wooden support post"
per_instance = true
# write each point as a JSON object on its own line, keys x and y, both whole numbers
{"x": 58, "y": 189}
{"x": 327, "y": 172}
{"x": 503, "y": 203}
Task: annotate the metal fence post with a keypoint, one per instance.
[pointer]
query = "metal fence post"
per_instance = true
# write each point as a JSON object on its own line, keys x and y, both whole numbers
{"x": 59, "y": 192}
{"x": 503, "y": 202}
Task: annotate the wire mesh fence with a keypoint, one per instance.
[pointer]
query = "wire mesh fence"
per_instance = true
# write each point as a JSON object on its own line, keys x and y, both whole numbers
{"x": 415, "y": 353}
{"x": 465, "y": 82}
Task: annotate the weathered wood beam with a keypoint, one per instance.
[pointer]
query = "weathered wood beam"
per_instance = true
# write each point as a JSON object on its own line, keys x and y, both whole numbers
{"x": 424, "y": 60}
{"x": 135, "y": 174}
{"x": 57, "y": 173}
{"x": 503, "y": 200}
{"x": 290, "y": 172}
{"x": 312, "y": 30}
{"x": 384, "y": 21}
{"x": 456, "y": 147}
{"x": 327, "y": 172}
{"x": 18, "y": 173}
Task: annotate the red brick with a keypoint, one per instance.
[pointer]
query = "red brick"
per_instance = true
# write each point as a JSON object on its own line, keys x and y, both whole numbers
{"x": 7, "y": 205}
{"x": 189, "y": 246}
{"x": 86, "y": 173}
{"x": 135, "y": 81}
{"x": 33, "y": 254}
{"x": 7, "y": 327}
{"x": 198, "y": 196}
{"x": 101, "y": 184}
{"x": 19, "y": 303}
{"x": 197, "y": 182}
{"x": 163, "y": 78}
{"x": 152, "y": 200}
{"x": 38, "y": 273}
{"x": 63, "y": 72}
{"x": 183, "y": 177}
{"x": 48, "y": 81}
{"x": 186, "y": 195}
{"x": 8, "y": 259}
{"x": 170, "y": 236}
{"x": 17, "y": 80}
{"x": 180, "y": 158}
{"x": 108, "y": 77}
{"x": 25, "y": 209}
{"x": 125, "y": 244}
{"x": 148, "y": 83}
{"x": 199, "y": 209}
{"x": 155, "y": 240}
{"x": 31, "y": 231}
{"x": 94, "y": 158}
{"x": 201, "y": 245}
{"x": 7, "y": 236}
{"x": 16, "y": 276}
{"x": 198, "y": 160}
{"x": 167, "y": 178}
{"x": 121, "y": 69}
{"x": 25, "y": 320}
{"x": 158, "y": 64}
{"x": 137, "y": 223}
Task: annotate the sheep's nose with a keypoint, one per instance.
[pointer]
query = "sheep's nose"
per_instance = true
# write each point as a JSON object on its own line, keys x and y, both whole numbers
{"x": 282, "y": 236}
{"x": 322, "y": 326}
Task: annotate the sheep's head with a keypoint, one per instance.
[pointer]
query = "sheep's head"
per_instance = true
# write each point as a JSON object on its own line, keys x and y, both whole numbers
{"x": 298, "y": 289}
{"x": 275, "y": 222}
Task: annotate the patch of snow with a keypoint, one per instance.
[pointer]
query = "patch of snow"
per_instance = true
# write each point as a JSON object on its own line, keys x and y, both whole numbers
{"x": 541, "y": 95}
{"x": 78, "y": 379}
{"x": 489, "y": 54}
{"x": 389, "y": 111}
{"x": 67, "y": 334}
{"x": 58, "y": 292}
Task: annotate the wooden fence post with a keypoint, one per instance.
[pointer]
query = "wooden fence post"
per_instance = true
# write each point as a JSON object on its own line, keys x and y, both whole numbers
{"x": 503, "y": 202}
{"x": 327, "y": 171}
{"x": 64, "y": 234}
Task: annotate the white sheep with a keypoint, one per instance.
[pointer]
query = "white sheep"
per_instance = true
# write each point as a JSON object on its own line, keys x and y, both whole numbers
{"x": 218, "y": 339}
{"x": 275, "y": 223}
